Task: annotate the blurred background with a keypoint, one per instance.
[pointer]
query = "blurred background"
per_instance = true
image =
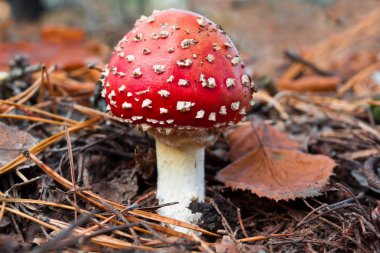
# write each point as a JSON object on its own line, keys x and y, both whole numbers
{"x": 261, "y": 29}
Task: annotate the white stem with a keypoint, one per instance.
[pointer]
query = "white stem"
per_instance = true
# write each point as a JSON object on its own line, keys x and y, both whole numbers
{"x": 180, "y": 179}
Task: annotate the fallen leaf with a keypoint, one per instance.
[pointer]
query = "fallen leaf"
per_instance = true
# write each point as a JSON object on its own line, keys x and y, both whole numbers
{"x": 278, "y": 174}
{"x": 63, "y": 46}
{"x": 120, "y": 185}
{"x": 61, "y": 34}
{"x": 12, "y": 140}
{"x": 249, "y": 137}
{"x": 310, "y": 83}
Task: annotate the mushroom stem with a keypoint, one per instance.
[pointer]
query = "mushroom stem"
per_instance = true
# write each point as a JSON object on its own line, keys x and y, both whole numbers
{"x": 180, "y": 179}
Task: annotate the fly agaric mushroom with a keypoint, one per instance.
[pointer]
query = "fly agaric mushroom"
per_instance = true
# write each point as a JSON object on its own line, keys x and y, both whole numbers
{"x": 178, "y": 76}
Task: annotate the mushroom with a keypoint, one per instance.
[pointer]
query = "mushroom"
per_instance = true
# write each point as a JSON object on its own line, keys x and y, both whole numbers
{"x": 190, "y": 85}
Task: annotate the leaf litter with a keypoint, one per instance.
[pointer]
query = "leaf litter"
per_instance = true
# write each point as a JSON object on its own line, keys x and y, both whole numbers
{"x": 37, "y": 204}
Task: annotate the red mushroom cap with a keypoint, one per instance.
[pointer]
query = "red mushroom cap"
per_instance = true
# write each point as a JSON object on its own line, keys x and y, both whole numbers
{"x": 177, "y": 69}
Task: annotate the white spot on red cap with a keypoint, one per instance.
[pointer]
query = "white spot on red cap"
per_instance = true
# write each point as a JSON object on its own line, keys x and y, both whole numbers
{"x": 147, "y": 103}
{"x": 223, "y": 110}
{"x": 164, "y": 34}
{"x": 235, "y": 106}
{"x": 242, "y": 111}
{"x": 154, "y": 36}
{"x": 184, "y": 106}
{"x": 134, "y": 118}
{"x": 200, "y": 114}
{"x": 236, "y": 60}
{"x": 121, "y": 74}
{"x": 175, "y": 27}
{"x": 228, "y": 45}
{"x": 141, "y": 92}
{"x": 171, "y": 50}
{"x": 129, "y": 94}
{"x": 186, "y": 43}
{"x": 130, "y": 58}
{"x": 212, "y": 116}
{"x": 215, "y": 46}
{"x": 170, "y": 121}
{"x": 111, "y": 94}
{"x": 140, "y": 20}
{"x": 153, "y": 121}
{"x": 136, "y": 73}
{"x": 126, "y": 105}
{"x": 184, "y": 63}
{"x": 163, "y": 93}
{"x": 137, "y": 37}
{"x": 163, "y": 110}
{"x": 120, "y": 54}
{"x": 164, "y": 25}
{"x": 150, "y": 19}
{"x": 113, "y": 102}
{"x": 209, "y": 83}
{"x": 245, "y": 80}
{"x": 230, "y": 82}
{"x": 146, "y": 51}
{"x": 183, "y": 82}
{"x": 122, "y": 88}
{"x": 201, "y": 21}
{"x": 170, "y": 79}
{"x": 195, "y": 56}
{"x": 159, "y": 69}
{"x": 210, "y": 58}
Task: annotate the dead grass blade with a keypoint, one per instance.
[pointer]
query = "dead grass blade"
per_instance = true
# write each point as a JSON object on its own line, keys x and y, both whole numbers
{"x": 102, "y": 240}
{"x": 36, "y": 119}
{"x": 38, "y": 111}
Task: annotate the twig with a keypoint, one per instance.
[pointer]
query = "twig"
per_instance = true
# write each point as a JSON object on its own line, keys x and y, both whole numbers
{"x": 292, "y": 55}
{"x": 241, "y": 223}
{"x": 72, "y": 172}
{"x": 121, "y": 217}
{"x": 203, "y": 245}
{"x": 54, "y": 244}
{"x": 225, "y": 222}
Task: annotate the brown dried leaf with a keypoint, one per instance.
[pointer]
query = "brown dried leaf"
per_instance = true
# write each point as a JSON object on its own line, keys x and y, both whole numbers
{"x": 63, "y": 46}
{"x": 249, "y": 137}
{"x": 11, "y": 141}
{"x": 310, "y": 83}
{"x": 278, "y": 174}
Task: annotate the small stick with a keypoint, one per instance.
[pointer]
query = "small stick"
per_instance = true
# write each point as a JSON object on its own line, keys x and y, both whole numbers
{"x": 52, "y": 244}
{"x": 203, "y": 245}
{"x": 136, "y": 239}
{"x": 241, "y": 223}
{"x": 225, "y": 222}
{"x": 72, "y": 172}
{"x": 292, "y": 55}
